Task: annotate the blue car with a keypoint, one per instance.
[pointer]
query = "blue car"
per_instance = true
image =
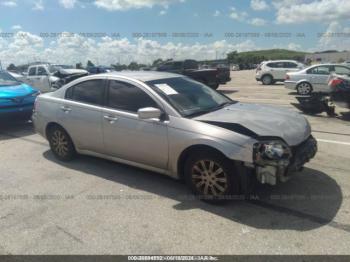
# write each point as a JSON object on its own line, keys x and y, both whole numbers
{"x": 16, "y": 98}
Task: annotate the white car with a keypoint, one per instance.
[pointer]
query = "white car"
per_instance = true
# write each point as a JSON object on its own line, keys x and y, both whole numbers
{"x": 314, "y": 78}
{"x": 44, "y": 77}
{"x": 270, "y": 72}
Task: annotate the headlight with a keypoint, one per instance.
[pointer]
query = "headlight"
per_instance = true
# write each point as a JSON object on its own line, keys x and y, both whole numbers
{"x": 269, "y": 151}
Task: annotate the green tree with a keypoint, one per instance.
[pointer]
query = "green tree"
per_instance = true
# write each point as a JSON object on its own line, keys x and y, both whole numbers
{"x": 11, "y": 67}
{"x": 133, "y": 66}
{"x": 232, "y": 57}
{"x": 89, "y": 64}
{"x": 119, "y": 67}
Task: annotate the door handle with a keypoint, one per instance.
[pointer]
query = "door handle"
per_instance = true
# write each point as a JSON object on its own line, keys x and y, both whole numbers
{"x": 66, "y": 109}
{"x": 111, "y": 119}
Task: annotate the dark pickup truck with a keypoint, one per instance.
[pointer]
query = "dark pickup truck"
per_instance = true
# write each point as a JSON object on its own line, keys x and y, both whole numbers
{"x": 210, "y": 77}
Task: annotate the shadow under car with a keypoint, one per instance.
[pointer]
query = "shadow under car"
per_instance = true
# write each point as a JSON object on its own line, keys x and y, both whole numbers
{"x": 308, "y": 201}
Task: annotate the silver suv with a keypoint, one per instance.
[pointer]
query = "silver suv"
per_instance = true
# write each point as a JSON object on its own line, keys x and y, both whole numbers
{"x": 173, "y": 125}
{"x": 270, "y": 72}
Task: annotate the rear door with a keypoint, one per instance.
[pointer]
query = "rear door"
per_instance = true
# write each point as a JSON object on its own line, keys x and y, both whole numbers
{"x": 277, "y": 70}
{"x": 125, "y": 135}
{"x": 81, "y": 114}
{"x": 31, "y": 77}
{"x": 291, "y": 67}
{"x": 318, "y": 77}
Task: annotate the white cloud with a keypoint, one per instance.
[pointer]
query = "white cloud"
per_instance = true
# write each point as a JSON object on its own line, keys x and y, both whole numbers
{"x": 38, "y": 5}
{"x": 217, "y": 13}
{"x": 291, "y": 46}
{"x": 258, "y": 5}
{"x": 301, "y": 11}
{"x": 26, "y": 47}
{"x": 258, "y": 22}
{"x": 163, "y": 12}
{"x": 69, "y": 4}
{"x": 10, "y": 3}
{"x": 336, "y": 37}
{"x": 16, "y": 27}
{"x": 238, "y": 15}
{"x": 118, "y": 5}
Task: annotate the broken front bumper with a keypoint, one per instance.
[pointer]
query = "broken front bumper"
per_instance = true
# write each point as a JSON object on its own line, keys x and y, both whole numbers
{"x": 283, "y": 170}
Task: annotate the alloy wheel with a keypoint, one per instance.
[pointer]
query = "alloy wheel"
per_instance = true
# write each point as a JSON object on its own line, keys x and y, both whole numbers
{"x": 60, "y": 143}
{"x": 304, "y": 89}
{"x": 209, "y": 178}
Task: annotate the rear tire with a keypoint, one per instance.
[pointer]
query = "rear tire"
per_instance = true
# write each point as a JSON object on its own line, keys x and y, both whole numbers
{"x": 267, "y": 80}
{"x": 212, "y": 177}
{"x": 61, "y": 144}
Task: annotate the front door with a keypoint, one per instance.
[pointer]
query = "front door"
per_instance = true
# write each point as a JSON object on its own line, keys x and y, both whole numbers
{"x": 42, "y": 80}
{"x": 125, "y": 135}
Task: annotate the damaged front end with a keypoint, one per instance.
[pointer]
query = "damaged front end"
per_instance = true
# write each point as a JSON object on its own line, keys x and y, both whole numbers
{"x": 276, "y": 161}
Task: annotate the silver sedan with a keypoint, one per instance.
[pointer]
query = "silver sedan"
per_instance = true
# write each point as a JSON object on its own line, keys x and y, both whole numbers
{"x": 314, "y": 78}
{"x": 171, "y": 124}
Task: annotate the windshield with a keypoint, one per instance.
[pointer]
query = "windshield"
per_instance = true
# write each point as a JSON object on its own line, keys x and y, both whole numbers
{"x": 188, "y": 97}
{"x": 7, "y": 80}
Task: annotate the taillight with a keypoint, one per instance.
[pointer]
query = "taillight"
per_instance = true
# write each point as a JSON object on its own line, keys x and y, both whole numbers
{"x": 258, "y": 68}
{"x": 287, "y": 77}
{"x": 335, "y": 82}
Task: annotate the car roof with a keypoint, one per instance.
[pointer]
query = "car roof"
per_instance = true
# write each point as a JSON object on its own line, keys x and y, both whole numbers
{"x": 329, "y": 64}
{"x": 276, "y": 61}
{"x": 143, "y": 76}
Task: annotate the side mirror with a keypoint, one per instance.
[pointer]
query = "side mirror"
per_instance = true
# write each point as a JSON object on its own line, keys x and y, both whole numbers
{"x": 149, "y": 113}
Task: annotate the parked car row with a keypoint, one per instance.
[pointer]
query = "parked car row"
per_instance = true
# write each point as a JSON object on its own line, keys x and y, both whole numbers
{"x": 212, "y": 77}
{"x": 296, "y": 77}
{"x": 314, "y": 78}
{"x": 319, "y": 102}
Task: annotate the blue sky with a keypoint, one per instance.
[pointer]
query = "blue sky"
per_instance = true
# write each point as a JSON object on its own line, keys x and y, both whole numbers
{"x": 299, "y": 21}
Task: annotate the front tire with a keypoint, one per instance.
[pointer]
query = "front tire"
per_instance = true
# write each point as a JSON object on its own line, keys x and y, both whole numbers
{"x": 304, "y": 89}
{"x": 211, "y": 176}
{"x": 61, "y": 144}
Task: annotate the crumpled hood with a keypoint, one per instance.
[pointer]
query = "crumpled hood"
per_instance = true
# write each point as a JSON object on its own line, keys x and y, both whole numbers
{"x": 264, "y": 121}
{"x": 16, "y": 91}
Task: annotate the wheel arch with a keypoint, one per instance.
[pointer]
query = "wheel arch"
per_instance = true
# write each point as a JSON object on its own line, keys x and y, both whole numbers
{"x": 53, "y": 124}
{"x": 181, "y": 161}
{"x": 267, "y": 74}
{"x": 304, "y": 81}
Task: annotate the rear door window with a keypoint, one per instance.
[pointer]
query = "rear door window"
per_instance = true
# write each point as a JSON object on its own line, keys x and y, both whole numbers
{"x": 276, "y": 65}
{"x": 89, "y": 92}
{"x": 290, "y": 65}
{"x": 32, "y": 71}
{"x": 319, "y": 70}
